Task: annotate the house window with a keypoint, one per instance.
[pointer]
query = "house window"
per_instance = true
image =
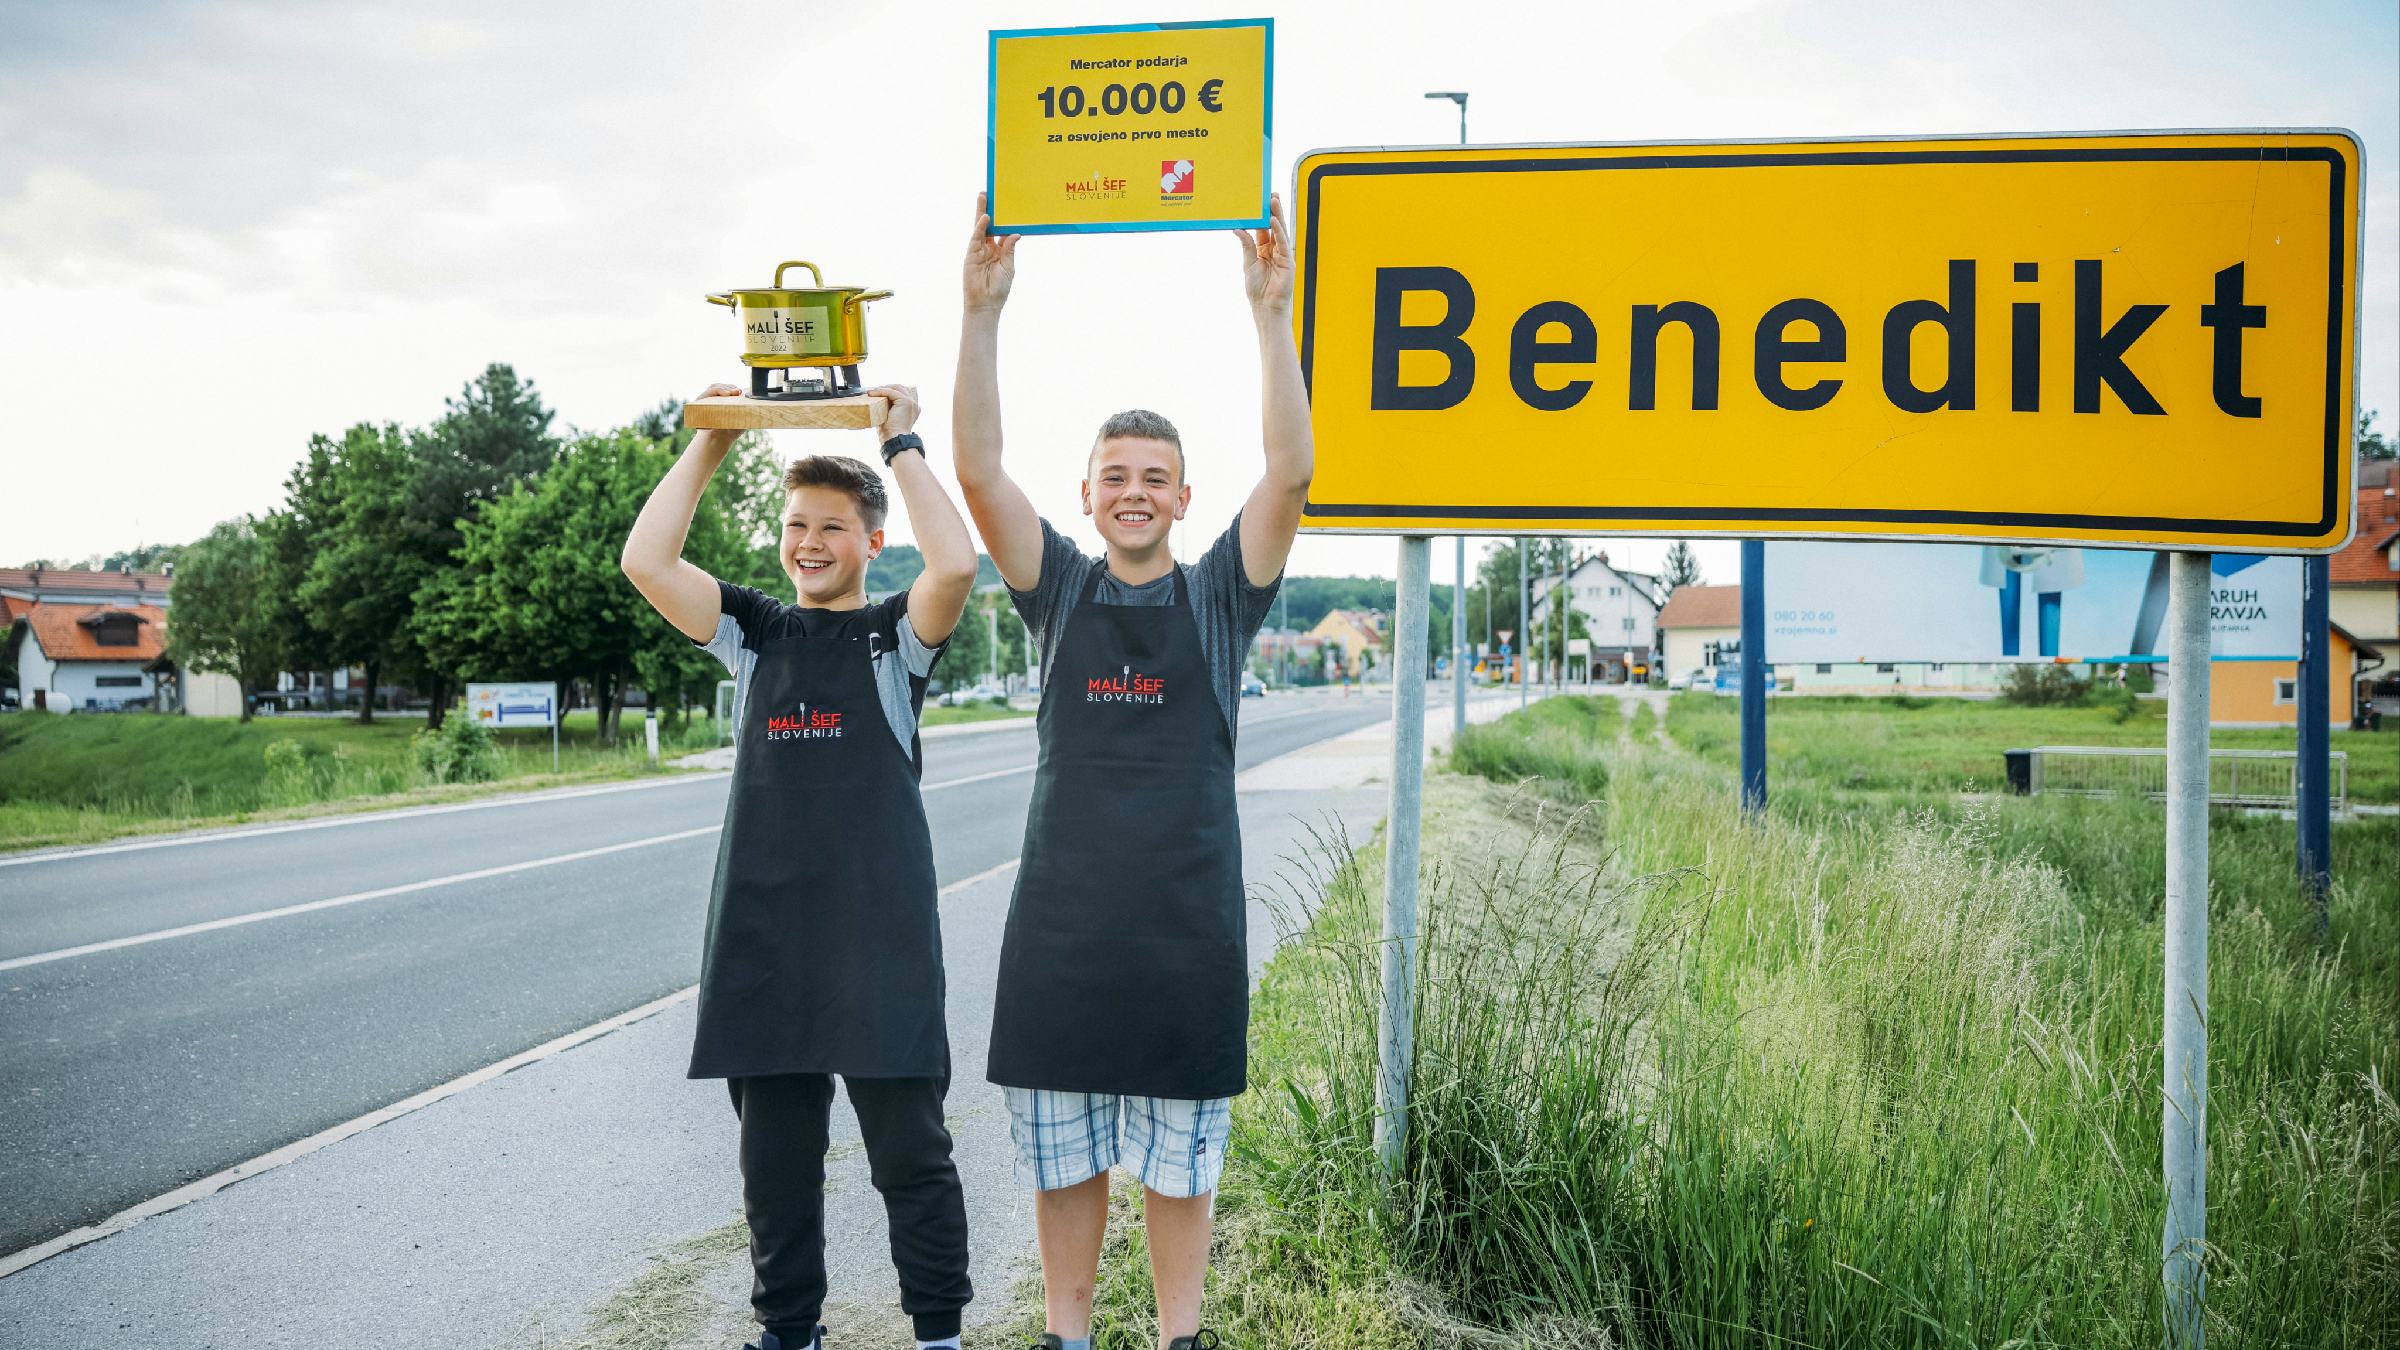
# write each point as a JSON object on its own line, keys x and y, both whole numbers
{"x": 1883, "y": 669}
{"x": 1823, "y": 669}
{"x": 115, "y": 633}
{"x": 2287, "y": 691}
{"x": 1615, "y": 591}
{"x": 117, "y": 681}
{"x": 1935, "y": 666}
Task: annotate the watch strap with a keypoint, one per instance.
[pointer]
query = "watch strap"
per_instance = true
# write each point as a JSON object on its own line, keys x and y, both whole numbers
{"x": 906, "y": 440}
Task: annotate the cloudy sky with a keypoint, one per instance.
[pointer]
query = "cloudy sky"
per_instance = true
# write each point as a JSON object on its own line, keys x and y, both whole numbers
{"x": 224, "y": 226}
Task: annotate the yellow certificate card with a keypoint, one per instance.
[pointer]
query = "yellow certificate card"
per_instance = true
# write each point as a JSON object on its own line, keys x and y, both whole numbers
{"x": 1146, "y": 126}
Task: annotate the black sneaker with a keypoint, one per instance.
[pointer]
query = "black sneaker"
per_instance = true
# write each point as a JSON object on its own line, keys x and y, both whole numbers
{"x": 1203, "y": 1339}
{"x": 1049, "y": 1341}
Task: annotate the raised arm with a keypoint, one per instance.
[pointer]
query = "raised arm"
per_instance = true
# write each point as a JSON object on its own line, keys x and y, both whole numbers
{"x": 1272, "y": 515}
{"x": 939, "y": 594}
{"x": 1011, "y": 529}
{"x": 685, "y": 595}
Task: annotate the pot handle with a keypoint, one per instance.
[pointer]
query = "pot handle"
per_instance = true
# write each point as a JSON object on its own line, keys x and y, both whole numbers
{"x": 863, "y": 297}
{"x": 781, "y": 268}
{"x": 719, "y": 298}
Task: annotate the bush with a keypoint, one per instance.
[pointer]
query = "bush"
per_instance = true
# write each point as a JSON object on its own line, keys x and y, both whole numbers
{"x": 2043, "y": 686}
{"x": 291, "y": 778}
{"x": 461, "y": 752}
{"x": 1556, "y": 741}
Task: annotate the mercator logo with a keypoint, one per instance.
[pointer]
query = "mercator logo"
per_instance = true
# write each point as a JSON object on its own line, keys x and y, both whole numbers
{"x": 804, "y": 724}
{"x": 1125, "y": 687}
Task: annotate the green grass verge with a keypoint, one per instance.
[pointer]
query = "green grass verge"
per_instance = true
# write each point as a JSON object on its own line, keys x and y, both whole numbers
{"x": 1950, "y": 744}
{"x": 81, "y": 779}
{"x": 1880, "y": 1070}
{"x": 938, "y": 716}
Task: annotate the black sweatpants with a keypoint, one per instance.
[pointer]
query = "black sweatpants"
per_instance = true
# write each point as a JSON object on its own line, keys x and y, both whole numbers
{"x": 784, "y": 1135}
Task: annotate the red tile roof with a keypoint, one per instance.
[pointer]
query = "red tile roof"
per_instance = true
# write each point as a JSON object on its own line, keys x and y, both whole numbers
{"x": 67, "y": 633}
{"x": 63, "y": 581}
{"x": 1703, "y": 607}
{"x": 2367, "y": 561}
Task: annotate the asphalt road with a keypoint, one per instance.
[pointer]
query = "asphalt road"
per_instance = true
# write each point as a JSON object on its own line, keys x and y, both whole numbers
{"x": 128, "y": 1071}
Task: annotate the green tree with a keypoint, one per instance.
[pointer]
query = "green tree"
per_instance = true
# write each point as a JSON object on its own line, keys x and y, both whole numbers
{"x": 969, "y": 656}
{"x": 369, "y": 556}
{"x": 2373, "y": 444}
{"x": 225, "y": 617}
{"x": 492, "y": 437}
{"x": 293, "y": 536}
{"x": 537, "y": 593}
{"x": 1682, "y": 567}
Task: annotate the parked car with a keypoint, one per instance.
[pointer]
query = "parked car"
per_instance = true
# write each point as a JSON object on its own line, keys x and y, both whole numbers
{"x": 1253, "y": 687}
{"x": 1690, "y": 679}
{"x": 983, "y": 691}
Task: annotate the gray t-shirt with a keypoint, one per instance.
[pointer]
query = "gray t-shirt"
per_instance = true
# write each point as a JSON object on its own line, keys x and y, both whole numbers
{"x": 747, "y": 619}
{"x": 1225, "y": 605}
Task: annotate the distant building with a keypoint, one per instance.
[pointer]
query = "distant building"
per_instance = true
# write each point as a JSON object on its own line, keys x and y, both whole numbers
{"x": 2365, "y": 595}
{"x": 1354, "y": 632}
{"x": 1619, "y": 607}
{"x": 1699, "y": 627}
{"x": 95, "y": 641}
{"x": 2267, "y": 693}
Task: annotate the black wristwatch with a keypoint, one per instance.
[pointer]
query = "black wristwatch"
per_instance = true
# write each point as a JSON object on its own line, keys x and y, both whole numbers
{"x": 906, "y": 440}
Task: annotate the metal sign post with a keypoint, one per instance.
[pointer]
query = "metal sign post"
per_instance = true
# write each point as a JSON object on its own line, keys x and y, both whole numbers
{"x": 1754, "y": 677}
{"x": 1458, "y": 644}
{"x": 1395, "y": 1031}
{"x": 2315, "y": 700}
{"x": 2186, "y": 1109}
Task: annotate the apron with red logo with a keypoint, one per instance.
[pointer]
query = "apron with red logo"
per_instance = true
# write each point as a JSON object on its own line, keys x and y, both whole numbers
{"x": 1125, "y": 967}
{"x": 823, "y": 952}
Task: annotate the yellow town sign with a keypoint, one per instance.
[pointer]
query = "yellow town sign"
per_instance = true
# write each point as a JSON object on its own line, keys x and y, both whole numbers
{"x": 2139, "y": 339}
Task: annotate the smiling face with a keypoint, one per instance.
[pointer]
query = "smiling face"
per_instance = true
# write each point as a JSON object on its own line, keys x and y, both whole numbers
{"x": 826, "y": 546}
{"x": 1134, "y": 490}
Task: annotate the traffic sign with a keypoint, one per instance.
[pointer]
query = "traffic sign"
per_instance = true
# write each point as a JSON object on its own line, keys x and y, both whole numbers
{"x": 2124, "y": 338}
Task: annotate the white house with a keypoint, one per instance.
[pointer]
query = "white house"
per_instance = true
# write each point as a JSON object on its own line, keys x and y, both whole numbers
{"x": 1703, "y": 625}
{"x": 86, "y": 641}
{"x": 1619, "y": 607}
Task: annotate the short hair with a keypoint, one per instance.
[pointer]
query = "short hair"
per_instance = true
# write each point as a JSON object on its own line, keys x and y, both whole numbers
{"x": 846, "y": 475}
{"x": 1138, "y": 422}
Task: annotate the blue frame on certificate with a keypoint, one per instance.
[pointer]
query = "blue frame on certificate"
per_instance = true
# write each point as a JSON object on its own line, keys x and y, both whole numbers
{"x": 992, "y": 119}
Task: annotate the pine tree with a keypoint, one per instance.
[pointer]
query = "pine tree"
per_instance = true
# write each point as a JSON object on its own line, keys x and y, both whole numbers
{"x": 1682, "y": 569}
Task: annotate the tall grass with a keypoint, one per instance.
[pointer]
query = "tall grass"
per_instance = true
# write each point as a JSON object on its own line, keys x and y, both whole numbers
{"x": 1549, "y": 742}
{"x": 1871, "y": 1072}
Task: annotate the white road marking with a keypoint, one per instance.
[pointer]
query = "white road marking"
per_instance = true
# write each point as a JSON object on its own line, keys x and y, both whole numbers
{"x": 362, "y": 818}
{"x": 292, "y": 1152}
{"x": 976, "y": 778}
{"x": 311, "y": 906}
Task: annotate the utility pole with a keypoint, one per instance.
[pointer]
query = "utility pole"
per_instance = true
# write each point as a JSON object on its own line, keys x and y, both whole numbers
{"x": 1458, "y": 594}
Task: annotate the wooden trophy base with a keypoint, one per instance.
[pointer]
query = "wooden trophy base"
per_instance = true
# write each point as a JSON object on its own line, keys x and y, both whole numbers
{"x": 738, "y": 413}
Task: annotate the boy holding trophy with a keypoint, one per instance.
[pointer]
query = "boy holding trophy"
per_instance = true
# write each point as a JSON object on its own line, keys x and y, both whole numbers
{"x": 823, "y": 953}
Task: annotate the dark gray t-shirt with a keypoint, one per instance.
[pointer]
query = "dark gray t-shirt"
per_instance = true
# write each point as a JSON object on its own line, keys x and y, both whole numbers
{"x": 748, "y": 619}
{"x": 1225, "y": 605}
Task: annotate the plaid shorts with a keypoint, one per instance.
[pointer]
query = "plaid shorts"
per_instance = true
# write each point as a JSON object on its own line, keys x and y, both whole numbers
{"x": 1176, "y": 1147}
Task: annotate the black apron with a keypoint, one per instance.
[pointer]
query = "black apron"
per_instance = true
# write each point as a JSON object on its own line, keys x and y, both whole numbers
{"x": 823, "y": 953}
{"x": 1126, "y": 965}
